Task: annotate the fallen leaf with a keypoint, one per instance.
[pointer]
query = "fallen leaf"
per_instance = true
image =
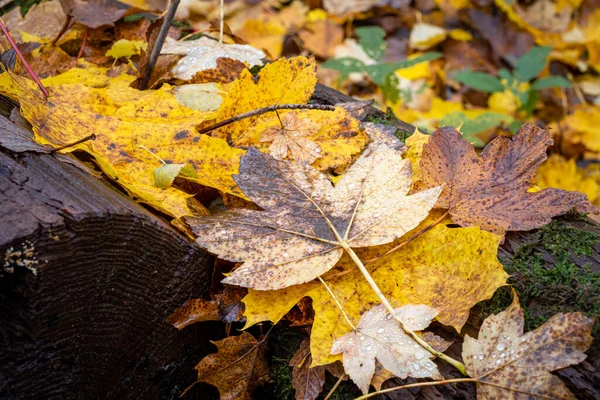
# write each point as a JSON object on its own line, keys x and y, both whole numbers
{"x": 227, "y": 70}
{"x": 378, "y": 337}
{"x": 450, "y": 270}
{"x": 302, "y": 314}
{"x": 490, "y": 190}
{"x": 238, "y": 367}
{"x": 581, "y": 126}
{"x": 424, "y": 36}
{"x": 282, "y": 82}
{"x": 126, "y": 48}
{"x": 290, "y": 137}
{"x": 199, "y": 96}
{"x": 307, "y": 382}
{"x": 94, "y": 13}
{"x": 202, "y": 54}
{"x": 43, "y": 20}
{"x": 321, "y": 37}
{"x": 510, "y": 364}
{"x": 166, "y": 174}
{"x": 558, "y": 172}
{"x": 306, "y": 220}
{"x": 415, "y": 144}
{"x": 194, "y": 310}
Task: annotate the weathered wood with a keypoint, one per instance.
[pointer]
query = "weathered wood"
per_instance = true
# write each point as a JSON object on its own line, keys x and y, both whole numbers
{"x": 90, "y": 324}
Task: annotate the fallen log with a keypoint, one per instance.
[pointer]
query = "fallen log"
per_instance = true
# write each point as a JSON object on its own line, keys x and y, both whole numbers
{"x": 88, "y": 277}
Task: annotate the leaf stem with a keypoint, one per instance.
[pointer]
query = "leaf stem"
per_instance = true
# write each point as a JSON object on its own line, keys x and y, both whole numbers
{"x": 222, "y": 22}
{"x": 265, "y": 110}
{"x": 337, "y": 303}
{"x": 85, "y": 139}
{"x": 160, "y": 40}
{"x": 418, "y": 384}
{"x": 340, "y": 379}
{"x": 457, "y": 364}
{"x": 22, "y": 58}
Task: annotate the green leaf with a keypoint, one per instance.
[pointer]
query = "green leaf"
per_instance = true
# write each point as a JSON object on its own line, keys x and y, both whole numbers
{"x": 345, "y": 65}
{"x": 550, "y": 81}
{"x": 514, "y": 126}
{"x": 530, "y": 102}
{"x": 479, "y": 81}
{"x": 390, "y": 90}
{"x": 531, "y": 63}
{"x": 380, "y": 72}
{"x": 166, "y": 174}
{"x": 372, "y": 40}
{"x": 504, "y": 74}
{"x": 470, "y": 128}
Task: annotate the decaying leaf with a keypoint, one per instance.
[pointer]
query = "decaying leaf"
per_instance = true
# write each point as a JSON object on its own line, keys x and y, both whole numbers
{"x": 194, "y": 310}
{"x": 306, "y": 220}
{"x": 238, "y": 367}
{"x": 202, "y": 54}
{"x": 448, "y": 269}
{"x": 307, "y": 382}
{"x": 290, "y": 137}
{"x": 227, "y": 70}
{"x": 378, "y": 337}
{"x": 510, "y": 364}
{"x": 94, "y": 13}
{"x": 490, "y": 191}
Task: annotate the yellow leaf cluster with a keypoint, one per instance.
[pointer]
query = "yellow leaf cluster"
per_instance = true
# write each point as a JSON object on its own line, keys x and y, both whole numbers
{"x": 129, "y": 125}
{"x": 581, "y": 127}
{"x": 448, "y": 269}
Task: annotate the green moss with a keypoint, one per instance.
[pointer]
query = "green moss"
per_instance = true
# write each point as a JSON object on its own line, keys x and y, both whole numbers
{"x": 283, "y": 343}
{"x": 549, "y": 286}
{"x": 390, "y": 119}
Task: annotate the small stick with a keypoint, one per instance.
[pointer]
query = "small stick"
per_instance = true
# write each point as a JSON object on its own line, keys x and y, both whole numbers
{"x": 222, "y": 22}
{"x": 64, "y": 28}
{"x": 160, "y": 40}
{"x": 265, "y": 110}
{"x": 25, "y": 63}
{"x": 85, "y": 139}
{"x": 87, "y": 30}
{"x": 341, "y": 378}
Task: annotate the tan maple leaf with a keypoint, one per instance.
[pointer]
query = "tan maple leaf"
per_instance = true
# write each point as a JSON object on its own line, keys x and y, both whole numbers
{"x": 491, "y": 190}
{"x": 291, "y": 137}
{"x": 378, "y": 337}
{"x": 307, "y": 222}
{"x": 508, "y": 364}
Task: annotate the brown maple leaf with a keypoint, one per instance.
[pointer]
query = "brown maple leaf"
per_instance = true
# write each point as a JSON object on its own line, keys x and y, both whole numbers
{"x": 490, "y": 191}
{"x": 94, "y": 13}
{"x": 508, "y": 364}
{"x": 291, "y": 137}
{"x": 237, "y": 368}
{"x": 307, "y": 223}
{"x": 378, "y": 337}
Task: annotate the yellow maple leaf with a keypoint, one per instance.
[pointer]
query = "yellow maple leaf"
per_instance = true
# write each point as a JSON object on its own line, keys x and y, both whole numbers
{"x": 581, "y": 127}
{"x": 415, "y": 144}
{"x": 557, "y": 172}
{"x": 127, "y": 122}
{"x": 448, "y": 269}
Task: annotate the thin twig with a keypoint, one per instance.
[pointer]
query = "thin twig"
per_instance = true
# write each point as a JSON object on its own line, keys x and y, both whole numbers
{"x": 85, "y": 36}
{"x": 418, "y": 384}
{"x": 265, "y": 110}
{"x": 341, "y": 378}
{"x": 64, "y": 28}
{"x": 85, "y": 139}
{"x": 221, "y": 23}
{"x": 25, "y": 63}
{"x": 160, "y": 40}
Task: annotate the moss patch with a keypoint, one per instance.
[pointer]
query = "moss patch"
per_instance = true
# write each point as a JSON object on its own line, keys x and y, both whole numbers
{"x": 390, "y": 119}
{"x": 547, "y": 278}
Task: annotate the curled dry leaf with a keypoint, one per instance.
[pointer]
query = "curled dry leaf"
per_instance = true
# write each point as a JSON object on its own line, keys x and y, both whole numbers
{"x": 490, "y": 191}
{"x": 202, "y": 54}
{"x": 194, "y": 310}
{"x": 290, "y": 137}
{"x": 509, "y": 364}
{"x": 307, "y": 222}
{"x": 238, "y": 367}
{"x": 378, "y": 337}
